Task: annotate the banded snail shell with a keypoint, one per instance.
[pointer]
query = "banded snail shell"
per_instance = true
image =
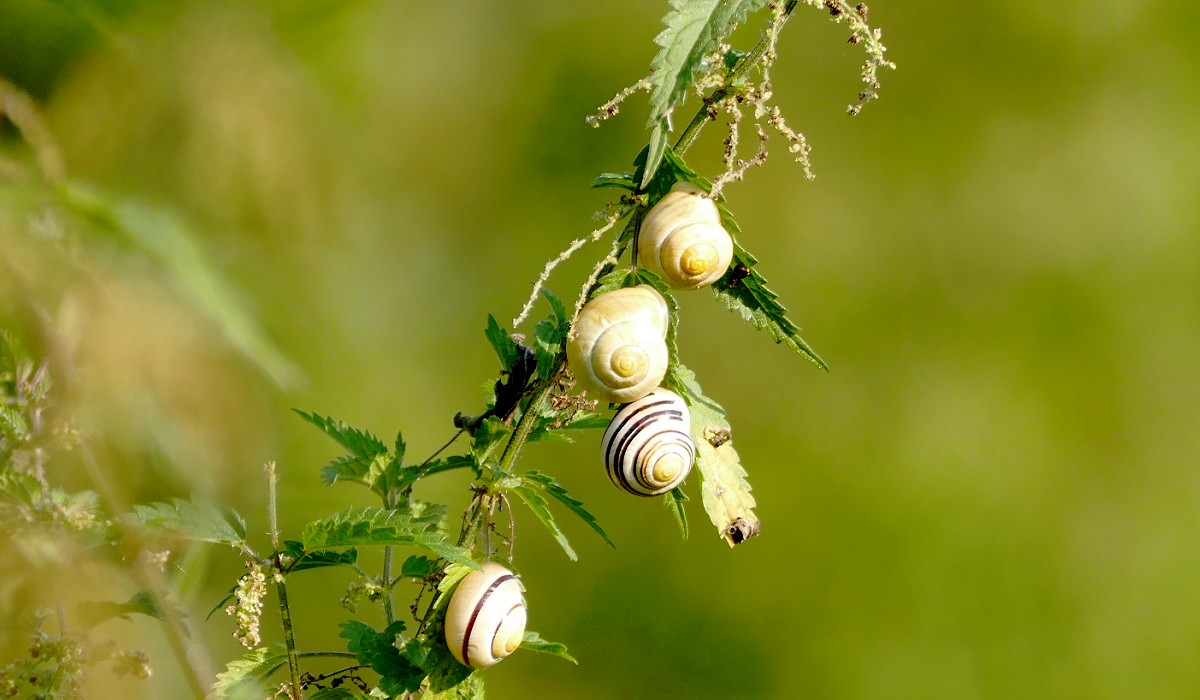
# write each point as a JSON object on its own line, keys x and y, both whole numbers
{"x": 647, "y": 447}
{"x": 682, "y": 239}
{"x": 485, "y": 621}
{"x": 617, "y": 349}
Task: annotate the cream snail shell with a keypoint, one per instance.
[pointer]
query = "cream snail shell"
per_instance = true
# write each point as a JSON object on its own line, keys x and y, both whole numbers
{"x": 647, "y": 448}
{"x": 486, "y": 618}
{"x": 617, "y": 349}
{"x": 682, "y": 240}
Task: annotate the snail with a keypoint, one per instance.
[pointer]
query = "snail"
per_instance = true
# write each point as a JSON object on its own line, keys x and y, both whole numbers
{"x": 617, "y": 348}
{"x": 485, "y": 621}
{"x": 682, "y": 239}
{"x": 647, "y": 448}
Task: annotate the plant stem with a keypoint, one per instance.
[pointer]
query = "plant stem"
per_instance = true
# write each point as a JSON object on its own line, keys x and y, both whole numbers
{"x": 327, "y": 654}
{"x": 528, "y": 419}
{"x": 285, "y": 611}
{"x": 702, "y": 117}
{"x": 389, "y": 613}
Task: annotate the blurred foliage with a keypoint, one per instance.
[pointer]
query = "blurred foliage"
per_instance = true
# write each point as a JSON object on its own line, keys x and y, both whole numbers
{"x": 994, "y": 492}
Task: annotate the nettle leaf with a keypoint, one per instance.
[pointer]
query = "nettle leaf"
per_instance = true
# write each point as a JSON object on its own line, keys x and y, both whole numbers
{"x": 725, "y": 491}
{"x": 744, "y": 291}
{"x": 443, "y": 465}
{"x": 445, "y": 672}
{"x": 418, "y": 566}
{"x": 380, "y": 474}
{"x": 540, "y": 507}
{"x": 693, "y": 30}
{"x": 549, "y": 336}
{"x": 379, "y": 651}
{"x": 378, "y": 526}
{"x": 470, "y": 688}
{"x": 192, "y": 520}
{"x": 587, "y": 421}
{"x": 556, "y": 491}
{"x": 359, "y": 443}
{"x": 339, "y": 693}
{"x": 142, "y": 603}
{"x": 534, "y": 642}
{"x": 303, "y": 560}
{"x": 659, "y": 136}
{"x": 489, "y": 441}
{"x": 622, "y": 181}
{"x": 502, "y": 343}
{"x": 673, "y": 501}
{"x": 245, "y": 678}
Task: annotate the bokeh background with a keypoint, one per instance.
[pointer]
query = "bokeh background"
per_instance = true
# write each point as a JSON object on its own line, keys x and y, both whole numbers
{"x": 995, "y": 491}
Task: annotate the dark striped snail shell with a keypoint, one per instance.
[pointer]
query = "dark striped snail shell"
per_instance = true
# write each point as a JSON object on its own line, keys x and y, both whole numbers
{"x": 647, "y": 447}
{"x": 682, "y": 239}
{"x": 485, "y": 621}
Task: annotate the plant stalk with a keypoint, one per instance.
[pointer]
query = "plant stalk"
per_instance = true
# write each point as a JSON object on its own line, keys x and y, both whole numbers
{"x": 285, "y": 611}
{"x": 389, "y": 613}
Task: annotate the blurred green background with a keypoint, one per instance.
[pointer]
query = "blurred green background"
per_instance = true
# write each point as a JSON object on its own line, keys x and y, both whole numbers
{"x": 995, "y": 493}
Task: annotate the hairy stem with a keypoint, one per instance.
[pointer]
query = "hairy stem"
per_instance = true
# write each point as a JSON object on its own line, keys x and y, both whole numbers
{"x": 285, "y": 611}
{"x": 388, "y": 612}
{"x": 528, "y": 419}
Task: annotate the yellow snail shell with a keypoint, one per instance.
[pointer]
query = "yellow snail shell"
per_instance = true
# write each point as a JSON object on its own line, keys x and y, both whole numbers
{"x": 682, "y": 240}
{"x": 647, "y": 447}
{"x": 486, "y": 618}
{"x": 617, "y": 349}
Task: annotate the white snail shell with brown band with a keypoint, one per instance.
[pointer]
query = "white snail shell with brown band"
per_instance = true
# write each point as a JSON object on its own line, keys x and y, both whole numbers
{"x": 682, "y": 239}
{"x": 617, "y": 348}
{"x": 485, "y": 621}
{"x": 647, "y": 447}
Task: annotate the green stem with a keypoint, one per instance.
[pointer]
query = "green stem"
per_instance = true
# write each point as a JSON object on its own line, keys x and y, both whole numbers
{"x": 285, "y": 611}
{"x": 528, "y": 419}
{"x": 389, "y": 613}
{"x": 703, "y": 116}
{"x": 327, "y": 654}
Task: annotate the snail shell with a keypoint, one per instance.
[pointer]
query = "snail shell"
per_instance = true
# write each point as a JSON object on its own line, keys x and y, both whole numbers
{"x": 486, "y": 618}
{"x": 647, "y": 448}
{"x": 617, "y": 349}
{"x": 682, "y": 239}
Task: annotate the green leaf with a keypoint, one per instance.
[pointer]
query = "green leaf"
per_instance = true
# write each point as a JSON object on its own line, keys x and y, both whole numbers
{"x": 194, "y": 521}
{"x": 340, "y": 693}
{"x": 744, "y": 291}
{"x": 378, "y": 526}
{"x": 674, "y": 503}
{"x": 725, "y": 491}
{"x": 489, "y": 440}
{"x": 693, "y": 28}
{"x": 179, "y": 249}
{"x": 502, "y": 343}
{"x": 622, "y": 181}
{"x": 534, "y": 642}
{"x": 359, "y": 443}
{"x": 229, "y": 595}
{"x": 541, "y": 509}
{"x": 245, "y": 678}
{"x": 556, "y": 491}
{"x": 587, "y": 421}
{"x": 303, "y": 560}
{"x": 418, "y": 566}
{"x": 557, "y": 309}
{"x": 445, "y": 672}
{"x": 654, "y": 154}
{"x": 379, "y": 651}
{"x": 442, "y": 465}
{"x": 469, "y": 688}
{"x": 142, "y": 603}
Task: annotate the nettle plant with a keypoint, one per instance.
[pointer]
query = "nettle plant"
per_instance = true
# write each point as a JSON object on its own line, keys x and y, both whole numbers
{"x": 608, "y": 362}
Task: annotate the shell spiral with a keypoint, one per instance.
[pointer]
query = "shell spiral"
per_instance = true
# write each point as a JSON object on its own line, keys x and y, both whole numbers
{"x": 682, "y": 239}
{"x": 617, "y": 349}
{"x": 647, "y": 447}
{"x": 485, "y": 621}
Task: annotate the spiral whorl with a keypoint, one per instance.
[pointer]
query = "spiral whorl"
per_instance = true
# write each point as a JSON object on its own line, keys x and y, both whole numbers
{"x": 647, "y": 447}
{"x": 485, "y": 621}
{"x": 617, "y": 349}
{"x": 682, "y": 239}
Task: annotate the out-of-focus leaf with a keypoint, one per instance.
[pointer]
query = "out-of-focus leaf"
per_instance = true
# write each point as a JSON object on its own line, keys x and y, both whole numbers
{"x": 245, "y": 678}
{"x": 192, "y": 520}
{"x": 171, "y": 242}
